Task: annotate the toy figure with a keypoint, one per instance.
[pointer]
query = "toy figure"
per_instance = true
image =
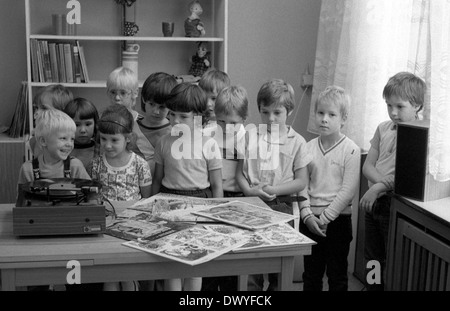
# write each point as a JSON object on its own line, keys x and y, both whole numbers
{"x": 192, "y": 25}
{"x": 200, "y": 61}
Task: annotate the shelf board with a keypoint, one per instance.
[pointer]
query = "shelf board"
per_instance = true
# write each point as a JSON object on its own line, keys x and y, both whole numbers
{"x": 4, "y": 138}
{"x": 125, "y": 38}
{"x": 92, "y": 84}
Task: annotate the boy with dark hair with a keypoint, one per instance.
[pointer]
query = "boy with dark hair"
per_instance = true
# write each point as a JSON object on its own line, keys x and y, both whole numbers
{"x": 405, "y": 95}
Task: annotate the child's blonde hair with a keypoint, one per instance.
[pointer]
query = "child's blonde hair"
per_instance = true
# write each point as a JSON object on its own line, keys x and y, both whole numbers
{"x": 276, "y": 91}
{"x": 336, "y": 95}
{"x": 51, "y": 120}
{"x": 232, "y": 98}
{"x": 52, "y": 96}
{"x": 214, "y": 80}
{"x": 122, "y": 78}
{"x": 408, "y": 87}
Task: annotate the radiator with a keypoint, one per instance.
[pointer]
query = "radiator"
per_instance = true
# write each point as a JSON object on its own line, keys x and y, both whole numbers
{"x": 422, "y": 261}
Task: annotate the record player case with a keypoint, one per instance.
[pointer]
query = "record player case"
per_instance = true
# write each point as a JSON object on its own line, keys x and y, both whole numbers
{"x": 59, "y": 207}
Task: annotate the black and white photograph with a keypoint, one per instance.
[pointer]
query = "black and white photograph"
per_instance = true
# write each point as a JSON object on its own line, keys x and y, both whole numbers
{"x": 244, "y": 150}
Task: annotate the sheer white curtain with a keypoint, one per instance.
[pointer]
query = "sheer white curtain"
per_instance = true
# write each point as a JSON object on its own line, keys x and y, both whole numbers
{"x": 362, "y": 43}
{"x": 440, "y": 90}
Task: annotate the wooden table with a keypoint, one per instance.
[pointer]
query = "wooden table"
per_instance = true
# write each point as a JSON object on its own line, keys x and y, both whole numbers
{"x": 29, "y": 261}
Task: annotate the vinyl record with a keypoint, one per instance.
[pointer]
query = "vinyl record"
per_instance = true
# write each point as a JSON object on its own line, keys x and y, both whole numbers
{"x": 60, "y": 187}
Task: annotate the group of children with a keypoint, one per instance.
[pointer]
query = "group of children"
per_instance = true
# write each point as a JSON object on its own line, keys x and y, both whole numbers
{"x": 192, "y": 141}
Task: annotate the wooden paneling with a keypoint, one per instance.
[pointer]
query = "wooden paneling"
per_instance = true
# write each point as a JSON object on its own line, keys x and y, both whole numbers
{"x": 12, "y": 155}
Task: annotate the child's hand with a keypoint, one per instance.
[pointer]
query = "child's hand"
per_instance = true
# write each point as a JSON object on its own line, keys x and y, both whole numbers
{"x": 257, "y": 191}
{"x": 316, "y": 226}
{"x": 268, "y": 189}
{"x": 368, "y": 199}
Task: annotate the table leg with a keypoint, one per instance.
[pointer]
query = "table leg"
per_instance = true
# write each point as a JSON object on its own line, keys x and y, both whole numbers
{"x": 242, "y": 282}
{"x": 8, "y": 278}
{"x": 286, "y": 277}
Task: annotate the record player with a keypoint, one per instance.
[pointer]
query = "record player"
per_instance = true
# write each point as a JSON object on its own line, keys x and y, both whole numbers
{"x": 59, "y": 206}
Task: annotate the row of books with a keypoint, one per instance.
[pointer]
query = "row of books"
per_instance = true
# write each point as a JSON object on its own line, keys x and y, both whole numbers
{"x": 58, "y": 62}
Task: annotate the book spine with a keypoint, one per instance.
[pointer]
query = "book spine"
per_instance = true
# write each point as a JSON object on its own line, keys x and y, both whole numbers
{"x": 34, "y": 60}
{"x": 53, "y": 61}
{"x": 83, "y": 64}
{"x": 62, "y": 63}
{"x": 68, "y": 62}
{"x": 40, "y": 60}
{"x": 47, "y": 65}
{"x": 77, "y": 65}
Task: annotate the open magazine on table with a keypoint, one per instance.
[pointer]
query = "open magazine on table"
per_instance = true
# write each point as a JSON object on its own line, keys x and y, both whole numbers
{"x": 135, "y": 224}
{"x": 275, "y": 237}
{"x": 177, "y": 207}
{"x": 191, "y": 246}
{"x": 244, "y": 215}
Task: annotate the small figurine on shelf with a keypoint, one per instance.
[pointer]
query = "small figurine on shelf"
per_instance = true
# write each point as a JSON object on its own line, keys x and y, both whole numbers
{"x": 130, "y": 28}
{"x": 193, "y": 25}
{"x": 200, "y": 61}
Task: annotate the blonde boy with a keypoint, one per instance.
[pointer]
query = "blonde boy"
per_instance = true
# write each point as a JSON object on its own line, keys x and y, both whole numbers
{"x": 122, "y": 87}
{"x": 55, "y": 134}
{"x": 274, "y": 166}
{"x": 54, "y": 96}
{"x": 333, "y": 177}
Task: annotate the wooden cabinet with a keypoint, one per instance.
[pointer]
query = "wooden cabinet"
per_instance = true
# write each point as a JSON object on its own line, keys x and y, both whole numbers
{"x": 100, "y": 34}
{"x": 419, "y": 245}
{"x": 12, "y": 155}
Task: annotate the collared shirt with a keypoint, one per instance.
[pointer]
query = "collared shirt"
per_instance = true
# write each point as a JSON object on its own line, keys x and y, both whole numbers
{"x": 274, "y": 162}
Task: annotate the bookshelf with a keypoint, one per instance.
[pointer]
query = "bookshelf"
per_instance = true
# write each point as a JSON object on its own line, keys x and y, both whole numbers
{"x": 100, "y": 34}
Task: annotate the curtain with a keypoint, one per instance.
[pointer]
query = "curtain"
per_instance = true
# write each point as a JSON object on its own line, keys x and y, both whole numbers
{"x": 362, "y": 43}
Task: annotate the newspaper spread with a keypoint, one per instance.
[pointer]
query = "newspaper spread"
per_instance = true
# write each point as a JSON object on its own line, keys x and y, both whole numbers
{"x": 177, "y": 207}
{"x": 134, "y": 224}
{"x": 271, "y": 238}
{"x": 244, "y": 215}
{"x": 190, "y": 246}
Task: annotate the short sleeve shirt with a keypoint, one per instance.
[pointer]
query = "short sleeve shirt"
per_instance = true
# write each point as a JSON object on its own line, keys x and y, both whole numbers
{"x": 385, "y": 142}
{"x": 274, "y": 163}
{"x": 122, "y": 183}
{"x": 77, "y": 170}
{"x": 186, "y": 164}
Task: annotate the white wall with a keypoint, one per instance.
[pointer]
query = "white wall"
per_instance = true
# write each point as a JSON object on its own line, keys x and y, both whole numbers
{"x": 273, "y": 39}
{"x": 13, "y": 66}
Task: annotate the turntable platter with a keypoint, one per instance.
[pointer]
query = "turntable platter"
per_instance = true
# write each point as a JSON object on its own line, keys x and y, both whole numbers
{"x": 60, "y": 187}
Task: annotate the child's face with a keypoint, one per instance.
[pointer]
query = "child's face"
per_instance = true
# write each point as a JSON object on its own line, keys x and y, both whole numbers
{"x": 400, "y": 110}
{"x": 156, "y": 113}
{"x": 274, "y": 114}
{"x": 113, "y": 145}
{"x": 329, "y": 118}
{"x": 123, "y": 97}
{"x": 85, "y": 130}
{"x": 186, "y": 118}
{"x": 59, "y": 144}
{"x": 211, "y": 104}
{"x": 232, "y": 118}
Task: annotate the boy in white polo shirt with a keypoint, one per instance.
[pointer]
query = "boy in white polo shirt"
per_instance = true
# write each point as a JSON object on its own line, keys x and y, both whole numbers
{"x": 274, "y": 167}
{"x": 333, "y": 181}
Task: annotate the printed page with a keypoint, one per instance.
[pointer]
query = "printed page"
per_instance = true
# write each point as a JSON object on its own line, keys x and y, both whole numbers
{"x": 191, "y": 246}
{"x": 245, "y": 215}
